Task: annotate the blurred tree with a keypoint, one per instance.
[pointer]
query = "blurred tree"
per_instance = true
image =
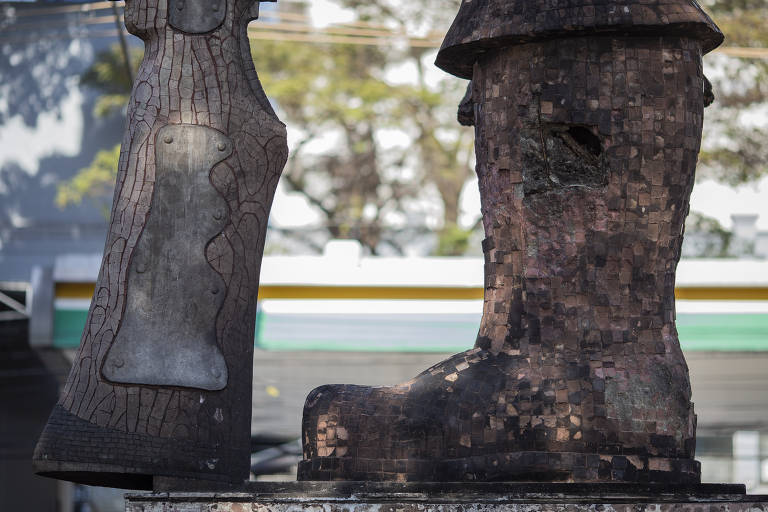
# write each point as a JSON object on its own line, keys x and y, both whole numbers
{"x": 94, "y": 182}
{"x": 346, "y": 102}
{"x": 110, "y": 75}
{"x": 705, "y": 237}
{"x": 349, "y": 99}
{"x": 735, "y": 145}
{"x": 735, "y": 142}
{"x": 444, "y": 147}
{"x": 343, "y": 99}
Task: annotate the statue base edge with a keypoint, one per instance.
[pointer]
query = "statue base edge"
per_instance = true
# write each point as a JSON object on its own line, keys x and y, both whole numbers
{"x": 324, "y": 490}
{"x": 442, "y": 497}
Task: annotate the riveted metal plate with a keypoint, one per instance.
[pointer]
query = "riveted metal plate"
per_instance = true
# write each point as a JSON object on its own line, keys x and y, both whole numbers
{"x": 196, "y": 16}
{"x": 167, "y": 336}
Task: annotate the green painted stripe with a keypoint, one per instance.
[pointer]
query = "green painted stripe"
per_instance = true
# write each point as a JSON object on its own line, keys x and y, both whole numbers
{"x": 698, "y": 332}
{"x": 723, "y": 332}
{"x": 68, "y": 327}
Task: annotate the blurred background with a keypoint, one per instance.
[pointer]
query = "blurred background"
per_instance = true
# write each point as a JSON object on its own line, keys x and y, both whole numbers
{"x": 373, "y": 267}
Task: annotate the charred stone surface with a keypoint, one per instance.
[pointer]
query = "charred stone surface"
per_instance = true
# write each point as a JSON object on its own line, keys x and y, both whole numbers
{"x": 197, "y": 105}
{"x": 586, "y": 148}
{"x": 557, "y": 156}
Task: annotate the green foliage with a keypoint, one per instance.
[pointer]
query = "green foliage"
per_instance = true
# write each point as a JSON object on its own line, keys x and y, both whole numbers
{"x": 735, "y": 147}
{"x": 108, "y": 104}
{"x": 94, "y": 183}
{"x": 108, "y": 74}
{"x": 742, "y": 21}
{"x": 734, "y": 164}
{"x": 706, "y": 237}
{"x": 333, "y": 89}
{"x": 453, "y": 241}
{"x": 340, "y": 96}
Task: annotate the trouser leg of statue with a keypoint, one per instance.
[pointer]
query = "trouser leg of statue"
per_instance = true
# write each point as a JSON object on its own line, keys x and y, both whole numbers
{"x": 162, "y": 381}
{"x": 586, "y": 149}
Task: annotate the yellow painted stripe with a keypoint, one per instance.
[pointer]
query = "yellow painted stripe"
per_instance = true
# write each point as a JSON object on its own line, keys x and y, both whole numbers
{"x": 74, "y": 290}
{"x": 722, "y": 293}
{"x": 85, "y": 291}
{"x": 369, "y": 292}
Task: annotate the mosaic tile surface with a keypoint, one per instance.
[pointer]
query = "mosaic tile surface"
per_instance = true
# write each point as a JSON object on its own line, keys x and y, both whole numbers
{"x": 484, "y": 25}
{"x": 586, "y": 152}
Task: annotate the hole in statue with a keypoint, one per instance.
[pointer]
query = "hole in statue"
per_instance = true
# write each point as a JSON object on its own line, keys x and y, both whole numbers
{"x": 585, "y": 138}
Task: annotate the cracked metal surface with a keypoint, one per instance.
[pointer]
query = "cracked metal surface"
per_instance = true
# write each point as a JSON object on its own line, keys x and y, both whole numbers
{"x": 586, "y": 151}
{"x": 120, "y": 434}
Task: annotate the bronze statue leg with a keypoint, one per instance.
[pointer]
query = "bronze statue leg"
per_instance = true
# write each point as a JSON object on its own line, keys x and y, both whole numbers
{"x": 162, "y": 381}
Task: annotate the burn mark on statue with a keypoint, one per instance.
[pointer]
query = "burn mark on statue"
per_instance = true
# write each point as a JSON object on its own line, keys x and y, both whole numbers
{"x": 561, "y": 155}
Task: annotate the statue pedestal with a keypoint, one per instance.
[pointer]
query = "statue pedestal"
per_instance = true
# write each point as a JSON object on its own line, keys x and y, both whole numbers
{"x": 193, "y": 496}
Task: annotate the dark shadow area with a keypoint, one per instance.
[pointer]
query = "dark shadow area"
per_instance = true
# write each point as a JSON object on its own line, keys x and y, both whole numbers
{"x": 28, "y": 391}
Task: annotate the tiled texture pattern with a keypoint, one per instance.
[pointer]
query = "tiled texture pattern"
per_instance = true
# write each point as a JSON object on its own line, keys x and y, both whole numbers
{"x": 586, "y": 151}
{"x": 207, "y": 80}
{"x": 482, "y": 25}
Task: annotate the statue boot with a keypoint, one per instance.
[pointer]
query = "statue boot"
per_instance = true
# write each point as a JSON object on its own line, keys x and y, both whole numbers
{"x": 586, "y": 150}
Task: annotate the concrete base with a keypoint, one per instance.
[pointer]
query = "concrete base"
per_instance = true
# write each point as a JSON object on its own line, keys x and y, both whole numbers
{"x": 190, "y": 496}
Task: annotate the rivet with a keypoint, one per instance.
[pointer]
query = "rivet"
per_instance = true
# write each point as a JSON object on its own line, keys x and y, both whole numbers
{"x": 215, "y": 6}
{"x": 215, "y": 291}
{"x": 218, "y": 214}
{"x": 180, "y": 5}
{"x": 167, "y": 139}
{"x": 141, "y": 268}
{"x": 118, "y": 363}
{"x": 222, "y": 146}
